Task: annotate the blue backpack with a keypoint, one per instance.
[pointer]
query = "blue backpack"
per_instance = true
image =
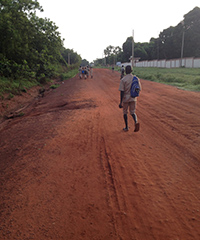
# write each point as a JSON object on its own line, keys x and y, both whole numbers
{"x": 135, "y": 87}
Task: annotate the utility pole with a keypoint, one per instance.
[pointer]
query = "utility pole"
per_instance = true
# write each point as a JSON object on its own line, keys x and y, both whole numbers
{"x": 158, "y": 41}
{"x": 182, "y": 46}
{"x": 69, "y": 58}
{"x": 133, "y": 49}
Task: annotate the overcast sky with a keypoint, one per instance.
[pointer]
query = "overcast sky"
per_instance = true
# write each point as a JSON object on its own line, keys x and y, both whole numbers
{"x": 89, "y": 26}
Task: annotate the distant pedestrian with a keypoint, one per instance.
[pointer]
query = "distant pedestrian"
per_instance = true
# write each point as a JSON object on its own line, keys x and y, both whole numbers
{"x": 126, "y": 101}
{"x": 122, "y": 71}
{"x": 91, "y": 72}
{"x": 88, "y": 70}
{"x": 113, "y": 68}
{"x": 85, "y": 72}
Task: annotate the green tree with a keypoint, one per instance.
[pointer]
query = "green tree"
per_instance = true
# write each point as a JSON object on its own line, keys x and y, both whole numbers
{"x": 192, "y": 33}
{"x": 112, "y": 54}
{"x": 127, "y": 49}
{"x": 84, "y": 62}
{"x": 170, "y": 39}
{"x": 27, "y": 39}
{"x": 15, "y": 27}
{"x": 70, "y": 54}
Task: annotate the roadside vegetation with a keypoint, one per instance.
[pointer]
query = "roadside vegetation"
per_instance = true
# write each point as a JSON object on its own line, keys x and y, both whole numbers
{"x": 31, "y": 49}
{"x": 183, "y": 78}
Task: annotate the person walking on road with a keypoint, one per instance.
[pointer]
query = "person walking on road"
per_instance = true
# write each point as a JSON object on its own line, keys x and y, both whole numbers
{"x": 85, "y": 73}
{"x": 91, "y": 72}
{"x": 122, "y": 71}
{"x": 126, "y": 101}
{"x": 88, "y": 70}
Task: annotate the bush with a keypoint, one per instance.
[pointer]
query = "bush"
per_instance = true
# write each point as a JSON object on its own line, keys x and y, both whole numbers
{"x": 169, "y": 78}
{"x": 150, "y": 77}
{"x": 69, "y": 74}
{"x": 10, "y": 96}
{"x": 54, "y": 86}
{"x": 196, "y": 81}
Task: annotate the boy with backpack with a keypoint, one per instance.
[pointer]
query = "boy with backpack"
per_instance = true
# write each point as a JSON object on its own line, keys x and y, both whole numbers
{"x": 126, "y": 89}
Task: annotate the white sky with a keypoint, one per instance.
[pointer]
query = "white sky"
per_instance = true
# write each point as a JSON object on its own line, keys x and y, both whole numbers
{"x": 89, "y": 26}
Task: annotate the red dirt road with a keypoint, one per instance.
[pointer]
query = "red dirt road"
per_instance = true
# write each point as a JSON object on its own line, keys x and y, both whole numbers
{"x": 68, "y": 171}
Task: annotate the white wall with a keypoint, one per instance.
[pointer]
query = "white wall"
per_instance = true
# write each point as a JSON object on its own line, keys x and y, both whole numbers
{"x": 172, "y": 63}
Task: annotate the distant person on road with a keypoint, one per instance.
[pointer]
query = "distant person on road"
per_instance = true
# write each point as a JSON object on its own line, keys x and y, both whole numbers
{"x": 113, "y": 68}
{"x": 83, "y": 72}
{"x": 122, "y": 71}
{"x": 88, "y": 70}
{"x": 91, "y": 72}
{"x": 126, "y": 101}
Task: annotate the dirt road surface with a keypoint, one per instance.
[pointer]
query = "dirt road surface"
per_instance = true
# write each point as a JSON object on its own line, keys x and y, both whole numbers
{"x": 68, "y": 171}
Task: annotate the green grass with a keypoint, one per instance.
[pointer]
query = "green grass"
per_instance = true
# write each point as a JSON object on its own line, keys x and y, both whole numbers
{"x": 54, "y": 86}
{"x": 183, "y": 78}
{"x": 72, "y": 73}
{"x": 15, "y": 87}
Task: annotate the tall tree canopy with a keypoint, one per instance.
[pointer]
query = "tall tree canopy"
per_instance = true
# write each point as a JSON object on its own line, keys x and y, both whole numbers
{"x": 112, "y": 54}
{"x": 170, "y": 39}
{"x": 168, "y": 44}
{"x": 69, "y": 54}
{"x": 28, "y": 43}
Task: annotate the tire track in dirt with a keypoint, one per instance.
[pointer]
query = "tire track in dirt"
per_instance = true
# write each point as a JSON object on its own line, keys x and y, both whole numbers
{"x": 110, "y": 184}
{"x": 117, "y": 194}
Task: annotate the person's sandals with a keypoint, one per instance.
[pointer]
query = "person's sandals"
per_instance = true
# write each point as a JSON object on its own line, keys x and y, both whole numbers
{"x": 137, "y": 127}
{"x": 125, "y": 129}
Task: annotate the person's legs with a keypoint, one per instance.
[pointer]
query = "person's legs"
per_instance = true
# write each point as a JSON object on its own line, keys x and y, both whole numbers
{"x": 132, "y": 108}
{"x": 126, "y": 121}
{"x": 134, "y": 117}
{"x": 137, "y": 125}
{"x": 125, "y": 111}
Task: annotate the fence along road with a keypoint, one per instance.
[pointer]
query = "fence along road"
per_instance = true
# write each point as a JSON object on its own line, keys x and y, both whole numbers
{"x": 171, "y": 63}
